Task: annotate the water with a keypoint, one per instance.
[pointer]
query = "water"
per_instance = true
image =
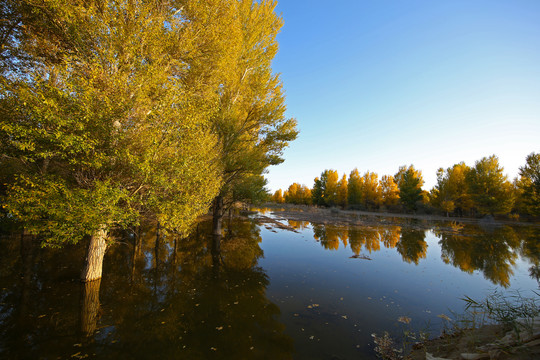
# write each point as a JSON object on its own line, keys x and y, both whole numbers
{"x": 318, "y": 293}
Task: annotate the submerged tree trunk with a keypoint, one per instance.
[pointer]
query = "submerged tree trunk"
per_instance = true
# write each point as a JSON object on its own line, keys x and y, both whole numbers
{"x": 217, "y": 224}
{"x": 216, "y": 255}
{"x": 93, "y": 263}
{"x": 89, "y": 307}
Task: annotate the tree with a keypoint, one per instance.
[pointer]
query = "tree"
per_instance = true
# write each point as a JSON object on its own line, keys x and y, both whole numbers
{"x": 109, "y": 118}
{"x": 371, "y": 191}
{"x": 278, "y": 197}
{"x": 529, "y": 184}
{"x": 409, "y": 182}
{"x": 451, "y": 192}
{"x": 354, "y": 188}
{"x": 341, "y": 192}
{"x": 298, "y": 194}
{"x": 490, "y": 189}
{"x": 330, "y": 187}
{"x": 317, "y": 192}
{"x": 389, "y": 191}
{"x": 250, "y": 121}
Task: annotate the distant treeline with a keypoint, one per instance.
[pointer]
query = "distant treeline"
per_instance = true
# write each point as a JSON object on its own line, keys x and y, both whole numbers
{"x": 461, "y": 190}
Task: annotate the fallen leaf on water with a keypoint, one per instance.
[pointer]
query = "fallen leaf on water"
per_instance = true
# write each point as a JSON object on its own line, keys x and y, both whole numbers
{"x": 344, "y": 316}
{"x": 219, "y": 328}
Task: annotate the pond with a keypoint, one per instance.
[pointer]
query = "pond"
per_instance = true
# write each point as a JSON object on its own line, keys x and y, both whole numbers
{"x": 317, "y": 292}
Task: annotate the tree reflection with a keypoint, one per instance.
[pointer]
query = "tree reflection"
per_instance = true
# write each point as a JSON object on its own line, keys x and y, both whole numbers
{"x": 493, "y": 253}
{"x": 298, "y": 224}
{"x": 162, "y": 297}
{"x": 368, "y": 238}
{"x": 530, "y": 250}
{"x": 412, "y": 246}
{"x": 211, "y": 304}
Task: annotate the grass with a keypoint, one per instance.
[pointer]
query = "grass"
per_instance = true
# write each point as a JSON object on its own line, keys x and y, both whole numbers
{"x": 514, "y": 311}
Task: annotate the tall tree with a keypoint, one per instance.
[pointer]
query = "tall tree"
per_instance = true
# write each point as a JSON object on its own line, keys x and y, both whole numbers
{"x": 278, "y": 197}
{"x": 354, "y": 188}
{"x": 250, "y": 124}
{"x": 452, "y": 192}
{"x": 489, "y": 186}
{"x": 371, "y": 191}
{"x": 389, "y": 191}
{"x": 409, "y": 181}
{"x": 330, "y": 187}
{"x": 341, "y": 191}
{"x": 109, "y": 118}
{"x": 317, "y": 192}
{"x": 529, "y": 184}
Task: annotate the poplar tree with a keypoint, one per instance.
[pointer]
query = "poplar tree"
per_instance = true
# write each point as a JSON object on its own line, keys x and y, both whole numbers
{"x": 342, "y": 191}
{"x": 409, "y": 181}
{"x": 278, "y": 197}
{"x": 389, "y": 191}
{"x": 108, "y": 115}
{"x": 354, "y": 188}
{"x": 371, "y": 191}
{"x": 489, "y": 186}
{"x": 250, "y": 124}
{"x": 330, "y": 187}
{"x": 317, "y": 193}
{"x": 452, "y": 191}
{"x": 529, "y": 184}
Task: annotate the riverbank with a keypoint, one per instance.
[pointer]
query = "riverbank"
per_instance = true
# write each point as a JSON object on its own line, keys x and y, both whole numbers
{"x": 367, "y": 218}
{"x": 519, "y": 341}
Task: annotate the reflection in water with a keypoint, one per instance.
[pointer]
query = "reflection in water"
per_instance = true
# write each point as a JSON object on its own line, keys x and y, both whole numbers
{"x": 409, "y": 243}
{"x": 206, "y": 296}
{"x": 470, "y": 248}
{"x": 89, "y": 307}
{"x": 412, "y": 246}
{"x": 493, "y": 253}
{"x": 298, "y": 225}
{"x": 160, "y": 297}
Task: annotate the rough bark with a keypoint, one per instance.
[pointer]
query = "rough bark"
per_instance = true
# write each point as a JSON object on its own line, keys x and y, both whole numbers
{"x": 93, "y": 263}
{"x": 89, "y": 306}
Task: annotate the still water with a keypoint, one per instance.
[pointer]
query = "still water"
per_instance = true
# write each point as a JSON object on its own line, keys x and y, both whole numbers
{"x": 265, "y": 293}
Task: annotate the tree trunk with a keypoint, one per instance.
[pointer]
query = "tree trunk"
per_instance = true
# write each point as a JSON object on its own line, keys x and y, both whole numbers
{"x": 217, "y": 224}
{"x": 216, "y": 255}
{"x": 89, "y": 307}
{"x": 93, "y": 263}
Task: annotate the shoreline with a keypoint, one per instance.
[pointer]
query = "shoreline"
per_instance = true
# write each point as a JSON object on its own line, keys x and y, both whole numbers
{"x": 369, "y": 218}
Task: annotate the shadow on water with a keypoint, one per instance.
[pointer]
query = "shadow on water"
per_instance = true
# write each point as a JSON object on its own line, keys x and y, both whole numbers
{"x": 160, "y": 297}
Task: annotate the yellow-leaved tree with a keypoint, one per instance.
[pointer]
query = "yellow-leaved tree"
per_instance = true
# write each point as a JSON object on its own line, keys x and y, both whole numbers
{"x": 250, "y": 124}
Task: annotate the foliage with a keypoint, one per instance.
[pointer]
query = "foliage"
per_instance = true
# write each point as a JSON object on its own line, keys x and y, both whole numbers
{"x": 341, "y": 192}
{"x": 389, "y": 191}
{"x": 354, "y": 188}
{"x": 250, "y": 121}
{"x": 298, "y": 194}
{"x": 371, "y": 191}
{"x": 452, "y": 191}
{"x": 409, "y": 181}
{"x": 490, "y": 189}
{"x": 278, "y": 197}
{"x": 111, "y": 112}
{"x": 529, "y": 184}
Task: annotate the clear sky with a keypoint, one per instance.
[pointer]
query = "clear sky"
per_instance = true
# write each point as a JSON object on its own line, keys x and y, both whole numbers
{"x": 379, "y": 84}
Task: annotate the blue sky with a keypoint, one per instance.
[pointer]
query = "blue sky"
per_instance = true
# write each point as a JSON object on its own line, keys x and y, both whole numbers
{"x": 380, "y": 84}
